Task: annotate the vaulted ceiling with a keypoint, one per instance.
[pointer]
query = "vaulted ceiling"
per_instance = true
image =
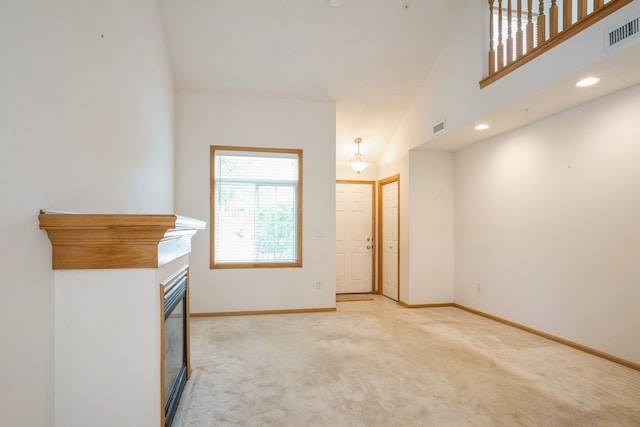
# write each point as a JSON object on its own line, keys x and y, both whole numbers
{"x": 368, "y": 56}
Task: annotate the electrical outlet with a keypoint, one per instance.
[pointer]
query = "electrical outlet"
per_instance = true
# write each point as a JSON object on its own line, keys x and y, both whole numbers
{"x": 318, "y": 284}
{"x": 477, "y": 287}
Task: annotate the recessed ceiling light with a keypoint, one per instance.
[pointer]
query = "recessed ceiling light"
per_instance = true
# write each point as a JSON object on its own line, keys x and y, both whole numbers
{"x": 588, "y": 82}
{"x": 482, "y": 126}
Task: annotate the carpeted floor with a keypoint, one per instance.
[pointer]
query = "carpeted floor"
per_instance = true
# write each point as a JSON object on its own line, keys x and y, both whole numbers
{"x": 373, "y": 363}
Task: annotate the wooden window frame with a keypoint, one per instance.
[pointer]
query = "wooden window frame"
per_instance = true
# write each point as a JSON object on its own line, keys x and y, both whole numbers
{"x": 275, "y": 264}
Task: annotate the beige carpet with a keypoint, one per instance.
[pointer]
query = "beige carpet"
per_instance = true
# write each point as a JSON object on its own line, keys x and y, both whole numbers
{"x": 353, "y": 297}
{"x": 377, "y": 364}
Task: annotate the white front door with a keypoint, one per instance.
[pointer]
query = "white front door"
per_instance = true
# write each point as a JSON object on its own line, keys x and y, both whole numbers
{"x": 354, "y": 237}
{"x": 389, "y": 238}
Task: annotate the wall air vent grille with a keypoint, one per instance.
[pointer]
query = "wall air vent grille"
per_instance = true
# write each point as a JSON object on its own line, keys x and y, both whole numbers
{"x": 615, "y": 36}
{"x": 439, "y": 127}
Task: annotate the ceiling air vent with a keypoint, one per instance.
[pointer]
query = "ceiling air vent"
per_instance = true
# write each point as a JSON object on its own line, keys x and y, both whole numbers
{"x": 622, "y": 33}
{"x": 439, "y": 127}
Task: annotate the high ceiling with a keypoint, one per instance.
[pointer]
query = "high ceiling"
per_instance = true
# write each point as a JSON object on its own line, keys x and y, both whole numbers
{"x": 368, "y": 56}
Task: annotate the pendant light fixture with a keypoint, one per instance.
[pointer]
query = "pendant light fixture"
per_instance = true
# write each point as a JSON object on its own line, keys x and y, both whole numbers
{"x": 358, "y": 163}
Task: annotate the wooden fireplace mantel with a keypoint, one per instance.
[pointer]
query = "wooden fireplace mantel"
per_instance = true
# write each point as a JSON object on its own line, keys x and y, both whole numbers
{"x": 95, "y": 241}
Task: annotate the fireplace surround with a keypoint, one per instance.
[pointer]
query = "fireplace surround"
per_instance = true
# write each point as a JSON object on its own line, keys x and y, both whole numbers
{"x": 121, "y": 287}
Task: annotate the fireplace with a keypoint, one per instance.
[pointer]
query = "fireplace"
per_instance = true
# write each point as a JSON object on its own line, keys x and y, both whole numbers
{"x": 97, "y": 259}
{"x": 175, "y": 365}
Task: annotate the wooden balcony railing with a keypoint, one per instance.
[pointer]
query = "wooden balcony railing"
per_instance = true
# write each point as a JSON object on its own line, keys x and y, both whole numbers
{"x": 521, "y": 30}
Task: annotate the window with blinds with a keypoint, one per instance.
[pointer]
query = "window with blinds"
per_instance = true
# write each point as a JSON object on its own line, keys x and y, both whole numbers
{"x": 256, "y": 207}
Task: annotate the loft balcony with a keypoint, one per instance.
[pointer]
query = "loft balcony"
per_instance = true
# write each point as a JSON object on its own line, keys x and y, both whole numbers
{"x": 521, "y": 30}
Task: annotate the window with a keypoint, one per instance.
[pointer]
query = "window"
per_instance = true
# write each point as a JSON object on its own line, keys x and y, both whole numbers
{"x": 256, "y": 207}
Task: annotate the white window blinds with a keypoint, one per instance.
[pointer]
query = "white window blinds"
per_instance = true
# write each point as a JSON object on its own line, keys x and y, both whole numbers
{"x": 255, "y": 207}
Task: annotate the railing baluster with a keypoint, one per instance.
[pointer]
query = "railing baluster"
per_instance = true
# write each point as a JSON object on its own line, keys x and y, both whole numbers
{"x": 582, "y": 9}
{"x": 509, "y": 33}
{"x": 529, "y": 25}
{"x": 519, "y": 32}
{"x": 567, "y": 14}
{"x": 542, "y": 31}
{"x": 598, "y": 4}
{"x": 492, "y": 52}
{"x": 500, "y": 44}
{"x": 553, "y": 19}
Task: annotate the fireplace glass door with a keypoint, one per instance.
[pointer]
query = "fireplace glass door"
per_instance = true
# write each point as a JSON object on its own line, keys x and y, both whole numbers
{"x": 175, "y": 351}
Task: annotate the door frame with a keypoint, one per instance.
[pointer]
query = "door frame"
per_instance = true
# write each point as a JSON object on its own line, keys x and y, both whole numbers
{"x": 381, "y": 183}
{"x": 373, "y": 226}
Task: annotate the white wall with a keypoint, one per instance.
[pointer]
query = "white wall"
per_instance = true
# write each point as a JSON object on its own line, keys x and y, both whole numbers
{"x": 431, "y": 257}
{"x": 547, "y": 222}
{"x": 86, "y": 124}
{"x": 216, "y": 119}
